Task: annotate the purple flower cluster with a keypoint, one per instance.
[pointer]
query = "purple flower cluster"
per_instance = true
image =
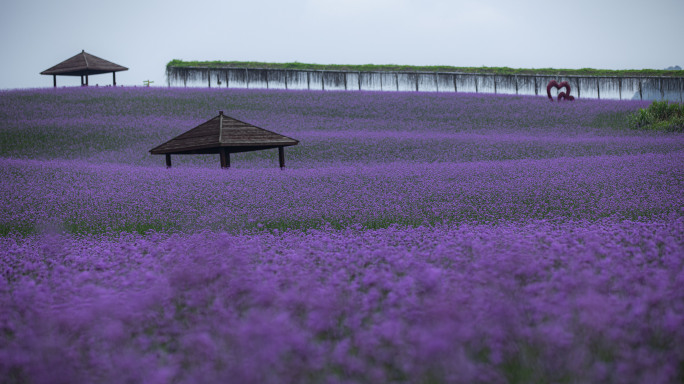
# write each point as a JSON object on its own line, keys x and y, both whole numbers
{"x": 120, "y": 125}
{"x": 412, "y": 238}
{"x": 593, "y": 301}
{"x": 84, "y": 197}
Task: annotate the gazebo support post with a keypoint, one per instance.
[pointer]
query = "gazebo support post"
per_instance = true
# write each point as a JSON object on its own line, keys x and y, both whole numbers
{"x": 225, "y": 158}
{"x": 81, "y": 80}
{"x": 114, "y": 79}
{"x": 54, "y": 81}
{"x": 168, "y": 160}
{"x": 86, "y": 80}
{"x": 281, "y": 157}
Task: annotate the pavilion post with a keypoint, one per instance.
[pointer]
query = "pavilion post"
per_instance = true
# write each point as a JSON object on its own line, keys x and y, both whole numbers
{"x": 281, "y": 157}
{"x": 114, "y": 79}
{"x": 54, "y": 81}
{"x": 225, "y": 158}
{"x": 86, "y": 80}
{"x": 81, "y": 80}
{"x": 168, "y": 160}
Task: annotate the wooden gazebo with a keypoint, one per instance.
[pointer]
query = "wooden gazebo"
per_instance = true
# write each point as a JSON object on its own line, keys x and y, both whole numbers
{"x": 83, "y": 64}
{"x": 224, "y": 135}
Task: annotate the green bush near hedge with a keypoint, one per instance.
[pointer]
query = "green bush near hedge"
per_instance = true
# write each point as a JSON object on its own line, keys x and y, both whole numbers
{"x": 660, "y": 116}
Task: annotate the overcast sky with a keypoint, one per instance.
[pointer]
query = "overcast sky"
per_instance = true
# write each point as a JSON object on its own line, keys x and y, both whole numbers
{"x": 145, "y": 35}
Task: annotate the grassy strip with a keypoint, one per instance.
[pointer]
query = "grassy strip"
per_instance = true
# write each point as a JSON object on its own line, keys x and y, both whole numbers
{"x": 432, "y": 68}
{"x": 659, "y": 116}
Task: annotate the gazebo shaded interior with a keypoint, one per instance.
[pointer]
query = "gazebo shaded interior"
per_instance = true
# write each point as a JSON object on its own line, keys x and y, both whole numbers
{"x": 224, "y": 135}
{"x": 83, "y": 64}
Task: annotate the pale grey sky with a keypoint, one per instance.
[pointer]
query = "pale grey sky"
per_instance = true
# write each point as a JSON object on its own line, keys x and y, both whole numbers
{"x": 145, "y": 35}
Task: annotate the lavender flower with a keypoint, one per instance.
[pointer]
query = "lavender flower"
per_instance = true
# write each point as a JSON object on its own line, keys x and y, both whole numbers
{"x": 413, "y": 238}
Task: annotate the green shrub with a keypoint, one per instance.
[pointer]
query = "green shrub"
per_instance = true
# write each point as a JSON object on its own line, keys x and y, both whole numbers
{"x": 660, "y": 116}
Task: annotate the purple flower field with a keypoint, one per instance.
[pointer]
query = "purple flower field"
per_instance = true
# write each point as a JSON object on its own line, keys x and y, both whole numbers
{"x": 420, "y": 238}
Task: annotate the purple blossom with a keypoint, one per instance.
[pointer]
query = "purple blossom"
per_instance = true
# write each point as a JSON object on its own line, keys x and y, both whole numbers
{"x": 412, "y": 238}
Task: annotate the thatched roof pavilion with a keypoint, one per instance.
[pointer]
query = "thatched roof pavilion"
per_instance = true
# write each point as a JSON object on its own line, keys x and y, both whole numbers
{"x": 224, "y": 135}
{"x": 83, "y": 64}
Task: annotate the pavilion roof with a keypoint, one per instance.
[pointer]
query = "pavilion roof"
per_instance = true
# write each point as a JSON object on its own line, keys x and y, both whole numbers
{"x": 83, "y": 63}
{"x": 223, "y": 131}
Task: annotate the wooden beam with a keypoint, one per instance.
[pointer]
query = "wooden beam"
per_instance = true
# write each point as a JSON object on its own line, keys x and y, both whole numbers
{"x": 620, "y": 87}
{"x": 281, "y": 157}
{"x": 225, "y": 158}
{"x": 578, "y": 88}
{"x": 114, "y": 79}
{"x": 516, "y": 84}
{"x": 168, "y": 160}
{"x": 54, "y": 81}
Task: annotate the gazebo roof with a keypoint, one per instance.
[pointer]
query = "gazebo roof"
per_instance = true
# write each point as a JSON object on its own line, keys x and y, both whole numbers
{"x": 223, "y": 132}
{"x": 83, "y": 64}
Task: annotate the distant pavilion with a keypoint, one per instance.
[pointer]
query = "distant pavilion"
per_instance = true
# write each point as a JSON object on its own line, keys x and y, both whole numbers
{"x": 224, "y": 135}
{"x": 83, "y": 64}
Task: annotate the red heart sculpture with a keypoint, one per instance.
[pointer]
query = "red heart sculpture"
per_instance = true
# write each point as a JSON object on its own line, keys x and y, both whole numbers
{"x": 562, "y": 95}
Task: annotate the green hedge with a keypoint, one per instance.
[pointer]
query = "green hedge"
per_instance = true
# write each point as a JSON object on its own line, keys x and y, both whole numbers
{"x": 433, "y": 68}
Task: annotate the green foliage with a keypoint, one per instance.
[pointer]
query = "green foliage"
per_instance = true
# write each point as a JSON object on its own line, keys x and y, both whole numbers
{"x": 16, "y": 228}
{"x": 659, "y": 116}
{"x": 610, "y": 120}
{"x": 424, "y": 68}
